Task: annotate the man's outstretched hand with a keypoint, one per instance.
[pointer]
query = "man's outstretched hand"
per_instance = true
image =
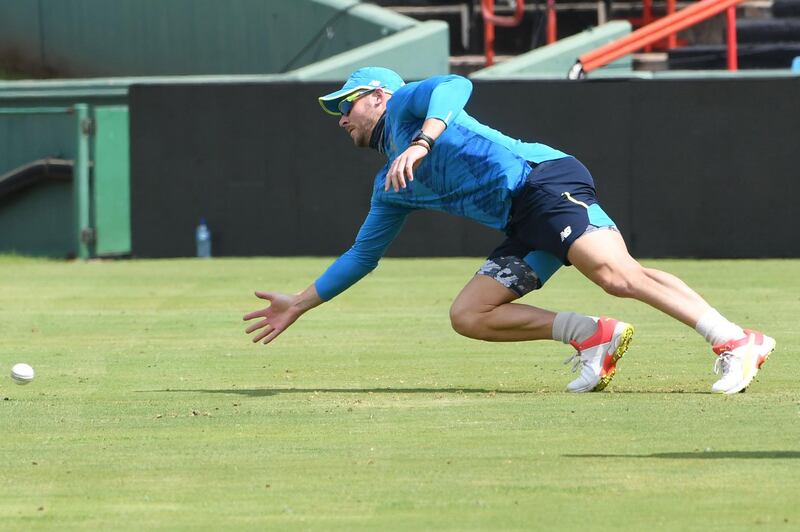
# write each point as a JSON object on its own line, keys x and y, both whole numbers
{"x": 274, "y": 319}
{"x": 283, "y": 310}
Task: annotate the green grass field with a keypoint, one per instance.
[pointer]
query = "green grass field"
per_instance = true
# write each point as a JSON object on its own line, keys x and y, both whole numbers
{"x": 152, "y": 410}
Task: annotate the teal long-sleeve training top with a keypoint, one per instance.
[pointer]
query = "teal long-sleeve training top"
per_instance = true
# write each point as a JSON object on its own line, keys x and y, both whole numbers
{"x": 472, "y": 171}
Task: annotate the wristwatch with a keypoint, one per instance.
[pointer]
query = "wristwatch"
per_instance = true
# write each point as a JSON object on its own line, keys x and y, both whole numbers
{"x": 420, "y": 136}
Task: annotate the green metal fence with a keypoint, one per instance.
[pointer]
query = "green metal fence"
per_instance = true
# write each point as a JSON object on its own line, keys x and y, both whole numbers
{"x": 89, "y": 216}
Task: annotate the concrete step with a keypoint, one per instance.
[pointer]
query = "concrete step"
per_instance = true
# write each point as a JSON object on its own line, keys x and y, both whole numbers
{"x": 653, "y": 62}
{"x": 465, "y": 65}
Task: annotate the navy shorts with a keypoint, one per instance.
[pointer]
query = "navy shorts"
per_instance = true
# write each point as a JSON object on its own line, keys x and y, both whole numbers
{"x": 556, "y": 205}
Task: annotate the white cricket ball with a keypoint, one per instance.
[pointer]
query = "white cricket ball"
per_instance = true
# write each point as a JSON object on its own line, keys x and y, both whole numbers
{"x": 22, "y": 373}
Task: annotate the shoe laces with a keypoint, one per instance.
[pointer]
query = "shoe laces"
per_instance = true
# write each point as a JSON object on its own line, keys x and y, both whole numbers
{"x": 576, "y": 361}
{"x": 723, "y": 362}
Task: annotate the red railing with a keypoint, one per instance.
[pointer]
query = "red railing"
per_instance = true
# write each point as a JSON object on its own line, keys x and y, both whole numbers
{"x": 665, "y": 27}
{"x": 490, "y": 20}
{"x": 648, "y": 17}
{"x": 551, "y": 22}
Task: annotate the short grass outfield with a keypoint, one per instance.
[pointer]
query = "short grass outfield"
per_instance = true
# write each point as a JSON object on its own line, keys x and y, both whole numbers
{"x": 151, "y": 408}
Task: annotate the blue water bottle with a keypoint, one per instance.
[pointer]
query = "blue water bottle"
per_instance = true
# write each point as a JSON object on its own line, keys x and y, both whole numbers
{"x": 202, "y": 238}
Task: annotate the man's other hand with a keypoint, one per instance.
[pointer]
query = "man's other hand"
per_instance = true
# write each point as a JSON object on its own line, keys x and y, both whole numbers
{"x": 403, "y": 167}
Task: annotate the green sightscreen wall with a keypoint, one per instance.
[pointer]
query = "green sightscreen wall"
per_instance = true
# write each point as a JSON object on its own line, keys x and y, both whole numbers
{"x": 98, "y": 38}
{"x": 111, "y": 181}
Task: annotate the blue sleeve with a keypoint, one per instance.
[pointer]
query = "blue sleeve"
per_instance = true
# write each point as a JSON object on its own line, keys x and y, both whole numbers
{"x": 442, "y": 97}
{"x": 377, "y": 232}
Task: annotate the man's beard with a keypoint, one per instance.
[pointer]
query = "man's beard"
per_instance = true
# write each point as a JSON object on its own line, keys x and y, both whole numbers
{"x": 362, "y": 140}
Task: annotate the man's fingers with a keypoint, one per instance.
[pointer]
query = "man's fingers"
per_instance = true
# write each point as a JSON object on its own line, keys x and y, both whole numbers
{"x": 269, "y": 296}
{"x": 260, "y": 336}
{"x": 398, "y": 177}
{"x": 393, "y": 175}
{"x": 394, "y": 184}
{"x": 271, "y": 336}
{"x": 256, "y": 326}
{"x": 254, "y": 314}
{"x": 402, "y": 170}
{"x": 409, "y": 171}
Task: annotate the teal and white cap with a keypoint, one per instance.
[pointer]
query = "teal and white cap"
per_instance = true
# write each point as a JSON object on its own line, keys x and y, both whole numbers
{"x": 363, "y": 79}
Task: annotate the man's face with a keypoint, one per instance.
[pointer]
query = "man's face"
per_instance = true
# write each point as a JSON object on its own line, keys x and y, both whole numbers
{"x": 363, "y": 115}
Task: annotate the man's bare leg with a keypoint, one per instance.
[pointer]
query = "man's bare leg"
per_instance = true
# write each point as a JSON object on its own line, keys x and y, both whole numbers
{"x": 604, "y": 259}
{"x": 484, "y": 311}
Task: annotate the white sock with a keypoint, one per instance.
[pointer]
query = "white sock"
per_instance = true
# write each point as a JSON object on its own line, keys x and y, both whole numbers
{"x": 571, "y": 326}
{"x": 716, "y": 329}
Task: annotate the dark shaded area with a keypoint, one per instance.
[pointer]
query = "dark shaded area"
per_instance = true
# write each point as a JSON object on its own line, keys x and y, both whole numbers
{"x": 686, "y": 168}
{"x": 33, "y": 173}
{"x": 699, "y": 455}
{"x": 15, "y": 64}
{"x": 786, "y": 8}
{"x": 768, "y": 30}
{"x": 266, "y": 392}
{"x": 750, "y": 56}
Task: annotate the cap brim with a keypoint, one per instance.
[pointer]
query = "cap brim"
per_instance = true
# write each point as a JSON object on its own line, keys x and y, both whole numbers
{"x": 330, "y": 102}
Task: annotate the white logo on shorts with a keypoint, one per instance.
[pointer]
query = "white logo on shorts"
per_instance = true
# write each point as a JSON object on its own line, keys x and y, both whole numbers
{"x": 566, "y": 232}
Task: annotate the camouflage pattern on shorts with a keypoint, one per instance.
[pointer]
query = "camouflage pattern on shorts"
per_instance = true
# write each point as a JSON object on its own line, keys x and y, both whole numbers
{"x": 511, "y": 272}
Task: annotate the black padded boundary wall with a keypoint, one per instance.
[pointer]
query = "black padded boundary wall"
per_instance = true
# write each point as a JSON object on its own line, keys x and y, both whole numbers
{"x": 687, "y": 168}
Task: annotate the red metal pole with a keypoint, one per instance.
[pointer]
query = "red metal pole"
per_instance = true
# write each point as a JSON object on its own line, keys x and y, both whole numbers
{"x": 647, "y": 18}
{"x": 733, "y": 55}
{"x": 490, "y": 20}
{"x": 552, "y": 32}
{"x": 487, "y": 10}
{"x": 672, "y": 40}
{"x": 488, "y": 33}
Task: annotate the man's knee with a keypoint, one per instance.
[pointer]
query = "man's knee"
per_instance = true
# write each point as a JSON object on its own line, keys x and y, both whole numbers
{"x": 465, "y": 321}
{"x": 620, "y": 281}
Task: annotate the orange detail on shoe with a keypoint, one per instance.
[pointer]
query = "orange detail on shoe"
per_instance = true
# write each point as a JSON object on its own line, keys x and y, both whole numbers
{"x": 759, "y": 340}
{"x": 609, "y": 365}
{"x": 730, "y": 345}
{"x": 604, "y": 332}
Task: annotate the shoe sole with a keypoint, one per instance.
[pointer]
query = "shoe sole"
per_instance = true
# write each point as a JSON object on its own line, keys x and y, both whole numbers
{"x": 624, "y": 341}
{"x": 753, "y": 371}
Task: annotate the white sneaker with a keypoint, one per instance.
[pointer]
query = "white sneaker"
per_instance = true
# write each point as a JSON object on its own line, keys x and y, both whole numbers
{"x": 740, "y": 360}
{"x": 597, "y": 356}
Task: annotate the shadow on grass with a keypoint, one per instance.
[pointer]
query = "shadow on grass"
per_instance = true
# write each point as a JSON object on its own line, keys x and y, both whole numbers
{"x": 658, "y": 391}
{"x": 265, "y": 392}
{"x": 697, "y": 455}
